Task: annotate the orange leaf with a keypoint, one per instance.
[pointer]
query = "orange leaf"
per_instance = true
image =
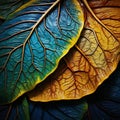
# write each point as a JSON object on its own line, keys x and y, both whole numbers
{"x": 90, "y": 61}
{"x": 108, "y": 11}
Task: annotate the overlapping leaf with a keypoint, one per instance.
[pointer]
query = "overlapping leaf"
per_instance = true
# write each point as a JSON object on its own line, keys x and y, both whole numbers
{"x": 32, "y": 43}
{"x": 87, "y": 65}
{"x": 23, "y": 109}
{"x": 105, "y": 102}
{"x": 108, "y": 13}
{"x": 18, "y": 110}
{"x": 8, "y": 7}
{"x": 60, "y": 110}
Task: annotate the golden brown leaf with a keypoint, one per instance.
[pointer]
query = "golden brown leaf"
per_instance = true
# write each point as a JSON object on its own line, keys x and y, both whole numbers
{"x": 108, "y": 12}
{"x": 89, "y": 63}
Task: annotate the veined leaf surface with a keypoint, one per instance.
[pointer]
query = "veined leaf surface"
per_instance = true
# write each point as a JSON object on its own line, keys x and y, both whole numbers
{"x": 23, "y": 109}
{"x": 111, "y": 16}
{"x": 59, "y": 110}
{"x": 105, "y": 102}
{"x": 19, "y": 110}
{"x": 32, "y": 44}
{"x": 87, "y": 65}
{"x": 8, "y": 7}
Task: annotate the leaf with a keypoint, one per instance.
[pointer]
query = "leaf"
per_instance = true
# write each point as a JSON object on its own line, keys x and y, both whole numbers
{"x": 9, "y": 7}
{"x": 111, "y": 16}
{"x": 105, "y": 102}
{"x": 18, "y": 110}
{"x": 60, "y": 110}
{"x": 23, "y": 109}
{"x": 32, "y": 44}
{"x": 87, "y": 65}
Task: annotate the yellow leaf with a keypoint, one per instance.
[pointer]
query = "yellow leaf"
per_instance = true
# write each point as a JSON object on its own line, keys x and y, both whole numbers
{"x": 89, "y": 62}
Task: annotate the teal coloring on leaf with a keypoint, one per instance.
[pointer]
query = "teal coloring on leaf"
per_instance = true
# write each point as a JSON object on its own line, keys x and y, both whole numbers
{"x": 33, "y": 42}
{"x": 58, "y": 110}
{"x": 24, "y": 109}
{"x": 18, "y": 110}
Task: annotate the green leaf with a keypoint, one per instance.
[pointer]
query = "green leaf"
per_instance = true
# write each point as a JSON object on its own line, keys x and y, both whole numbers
{"x": 32, "y": 44}
{"x": 8, "y": 7}
{"x": 18, "y": 110}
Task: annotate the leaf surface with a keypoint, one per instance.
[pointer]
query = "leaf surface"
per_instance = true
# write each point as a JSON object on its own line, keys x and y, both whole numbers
{"x": 18, "y": 110}
{"x": 108, "y": 13}
{"x": 23, "y": 109}
{"x": 60, "y": 110}
{"x": 9, "y": 7}
{"x": 87, "y": 65}
{"x": 32, "y": 44}
{"x": 105, "y": 102}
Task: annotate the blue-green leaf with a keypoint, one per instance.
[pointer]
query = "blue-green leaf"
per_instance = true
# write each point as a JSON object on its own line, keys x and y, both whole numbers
{"x": 59, "y": 110}
{"x": 18, "y": 110}
{"x": 8, "y": 7}
{"x": 23, "y": 109}
{"x": 33, "y": 42}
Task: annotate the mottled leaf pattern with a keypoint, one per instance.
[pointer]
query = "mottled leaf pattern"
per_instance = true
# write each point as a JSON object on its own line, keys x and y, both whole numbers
{"x": 88, "y": 64}
{"x": 32, "y": 43}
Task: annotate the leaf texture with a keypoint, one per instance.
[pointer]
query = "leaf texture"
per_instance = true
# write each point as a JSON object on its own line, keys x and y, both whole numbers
{"x": 86, "y": 66}
{"x": 33, "y": 42}
{"x": 105, "y": 102}
{"x": 8, "y": 7}
{"x": 111, "y": 16}
{"x": 23, "y": 109}
{"x": 60, "y": 110}
{"x": 18, "y": 110}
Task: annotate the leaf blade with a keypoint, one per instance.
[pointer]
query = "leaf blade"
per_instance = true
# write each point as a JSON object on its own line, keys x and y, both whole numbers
{"x": 61, "y": 110}
{"x": 87, "y": 65}
{"x": 24, "y": 109}
{"x": 106, "y": 100}
{"x": 17, "y": 110}
{"x": 5, "y": 7}
{"x": 38, "y": 44}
